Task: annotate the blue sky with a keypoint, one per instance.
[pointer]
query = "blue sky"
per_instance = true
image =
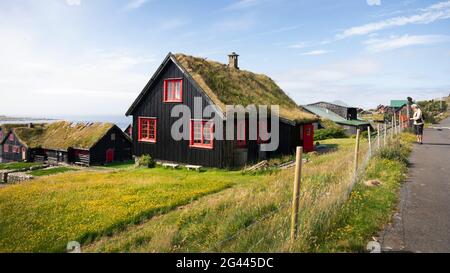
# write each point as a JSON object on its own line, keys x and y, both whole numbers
{"x": 93, "y": 57}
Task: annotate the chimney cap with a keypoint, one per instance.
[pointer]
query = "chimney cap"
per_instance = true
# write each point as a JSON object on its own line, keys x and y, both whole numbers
{"x": 233, "y": 54}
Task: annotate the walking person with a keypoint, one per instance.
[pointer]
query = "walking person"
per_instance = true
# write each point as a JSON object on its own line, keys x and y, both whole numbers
{"x": 418, "y": 122}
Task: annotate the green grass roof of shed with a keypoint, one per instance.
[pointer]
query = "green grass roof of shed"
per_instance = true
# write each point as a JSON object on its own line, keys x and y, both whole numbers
{"x": 398, "y": 103}
{"x": 63, "y": 135}
{"x": 227, "y": 86}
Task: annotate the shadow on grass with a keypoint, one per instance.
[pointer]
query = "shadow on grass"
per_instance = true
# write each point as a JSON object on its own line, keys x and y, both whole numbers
{"x": 326, "y": 148}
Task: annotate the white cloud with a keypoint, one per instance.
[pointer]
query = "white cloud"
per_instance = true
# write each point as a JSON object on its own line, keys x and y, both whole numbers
{"x": 438, "y": 6}
{"x": 336, "y": 81}
{"x": 135, "y": 4}
{"x": 235, "y": 24}
{"x": 173, "y": 23}
{"x": 397, "y": 42}
{"x": 315, "y": 52}
{"x": 374, "y": 2}
{"x": 243, "y": 4}
{"x": 300, "y": 45}
{"x": 75, "y": 84}
{"x": 73, "y": 2}
{"x": 430, "y": 14}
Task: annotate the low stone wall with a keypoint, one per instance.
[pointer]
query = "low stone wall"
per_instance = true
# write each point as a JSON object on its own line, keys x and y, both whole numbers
{"x": 12, "y": 176}
{"x": 18, "y": 177}
{"x": 4, "y": 176}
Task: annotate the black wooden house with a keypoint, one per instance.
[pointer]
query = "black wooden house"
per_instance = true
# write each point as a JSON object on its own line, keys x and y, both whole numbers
{"x": 12, "y": 146}
{"x": 180, "y": 79}
{"x": 13, "y": 149}
{"x": 65, "y": 142}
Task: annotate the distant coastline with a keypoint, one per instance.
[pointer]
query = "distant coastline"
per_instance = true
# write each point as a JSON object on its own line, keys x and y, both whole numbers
{"x": 21, "y": 119}
{"x": 120, "y": 121}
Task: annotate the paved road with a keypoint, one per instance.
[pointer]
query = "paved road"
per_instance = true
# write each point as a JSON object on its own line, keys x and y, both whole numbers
{"x": 422, "y": 223}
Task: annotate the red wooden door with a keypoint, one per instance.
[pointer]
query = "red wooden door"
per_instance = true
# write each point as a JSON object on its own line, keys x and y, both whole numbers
{"x": 110, "y": 155}
{"x": 308, "y": 137}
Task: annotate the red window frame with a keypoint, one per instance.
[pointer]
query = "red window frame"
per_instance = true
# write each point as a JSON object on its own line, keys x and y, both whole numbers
{"x": 201, "y": 142}
{"x": 15, "y": 149}
{"x": 170, "y": 90}
{"x": 11, "y": 137}
{"x": 241, "y": 131}
{"x": 147, "y": 129}
{"x": 6, "y": 148}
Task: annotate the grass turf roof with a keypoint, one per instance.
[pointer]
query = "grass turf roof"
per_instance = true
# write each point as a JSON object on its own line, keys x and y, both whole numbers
{"x": 227, "y": 86}
{"x": 63, "y": 135}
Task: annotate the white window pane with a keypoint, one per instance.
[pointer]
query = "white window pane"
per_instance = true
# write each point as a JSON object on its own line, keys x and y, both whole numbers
{"x": 178, "y": 90}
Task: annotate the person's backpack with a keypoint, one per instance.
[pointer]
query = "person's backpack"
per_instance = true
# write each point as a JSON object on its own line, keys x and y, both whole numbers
{"x": 423, "y": 117}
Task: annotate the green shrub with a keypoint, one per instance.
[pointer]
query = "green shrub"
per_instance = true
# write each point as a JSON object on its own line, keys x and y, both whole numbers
{"x": 432, "y": 109}
{"x": 365, "y": 135}
{"x": 330, "y": 132}
{"x": 145, "y": 161}
{"x": 396, "y": 150}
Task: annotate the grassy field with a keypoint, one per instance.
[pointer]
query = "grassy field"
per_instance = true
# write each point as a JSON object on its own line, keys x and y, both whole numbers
{"x": 369, "y": 208}
{"x": 51, "y": 171}
{"x": 17, "y": 165}
{"x": 45, "y": 214}
{"x": 127, "y": 210}
{"x": 120, "y": 165}
{"x": 230, "y": 221}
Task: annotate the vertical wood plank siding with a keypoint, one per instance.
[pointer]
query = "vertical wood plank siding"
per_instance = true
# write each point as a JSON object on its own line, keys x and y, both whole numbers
{"x": 166, "y": 148}
{"x": 121, "y": 145}
{"x": 10, "y": 156}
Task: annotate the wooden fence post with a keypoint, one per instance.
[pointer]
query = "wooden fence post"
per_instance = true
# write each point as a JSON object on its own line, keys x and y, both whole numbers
{"x": 395, "y": 124}
{"x": 392, "y": 127}
{"x": 369, "y": 137}
{"x": 296, "y": 194}
{"x": 385, "y": 133}
{"x": 378, "y": 137}
{"x": 358, "y": 132}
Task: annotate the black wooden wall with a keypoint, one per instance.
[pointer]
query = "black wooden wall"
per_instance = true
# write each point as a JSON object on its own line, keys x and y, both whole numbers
{"x": 165, "y": 147}
{"x": 122, "y": 147}
{"x": 1, "y": 147}
{"x": 10, "y": 156}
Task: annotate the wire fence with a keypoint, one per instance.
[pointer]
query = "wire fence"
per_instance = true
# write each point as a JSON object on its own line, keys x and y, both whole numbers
{"x": 276, "y": 222}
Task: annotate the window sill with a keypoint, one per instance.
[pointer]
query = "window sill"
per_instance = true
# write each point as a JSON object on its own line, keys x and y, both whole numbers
{"x": 147, "y": 141}
{"x": 206, "y": 147}
{"x": 173, "y": 101}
